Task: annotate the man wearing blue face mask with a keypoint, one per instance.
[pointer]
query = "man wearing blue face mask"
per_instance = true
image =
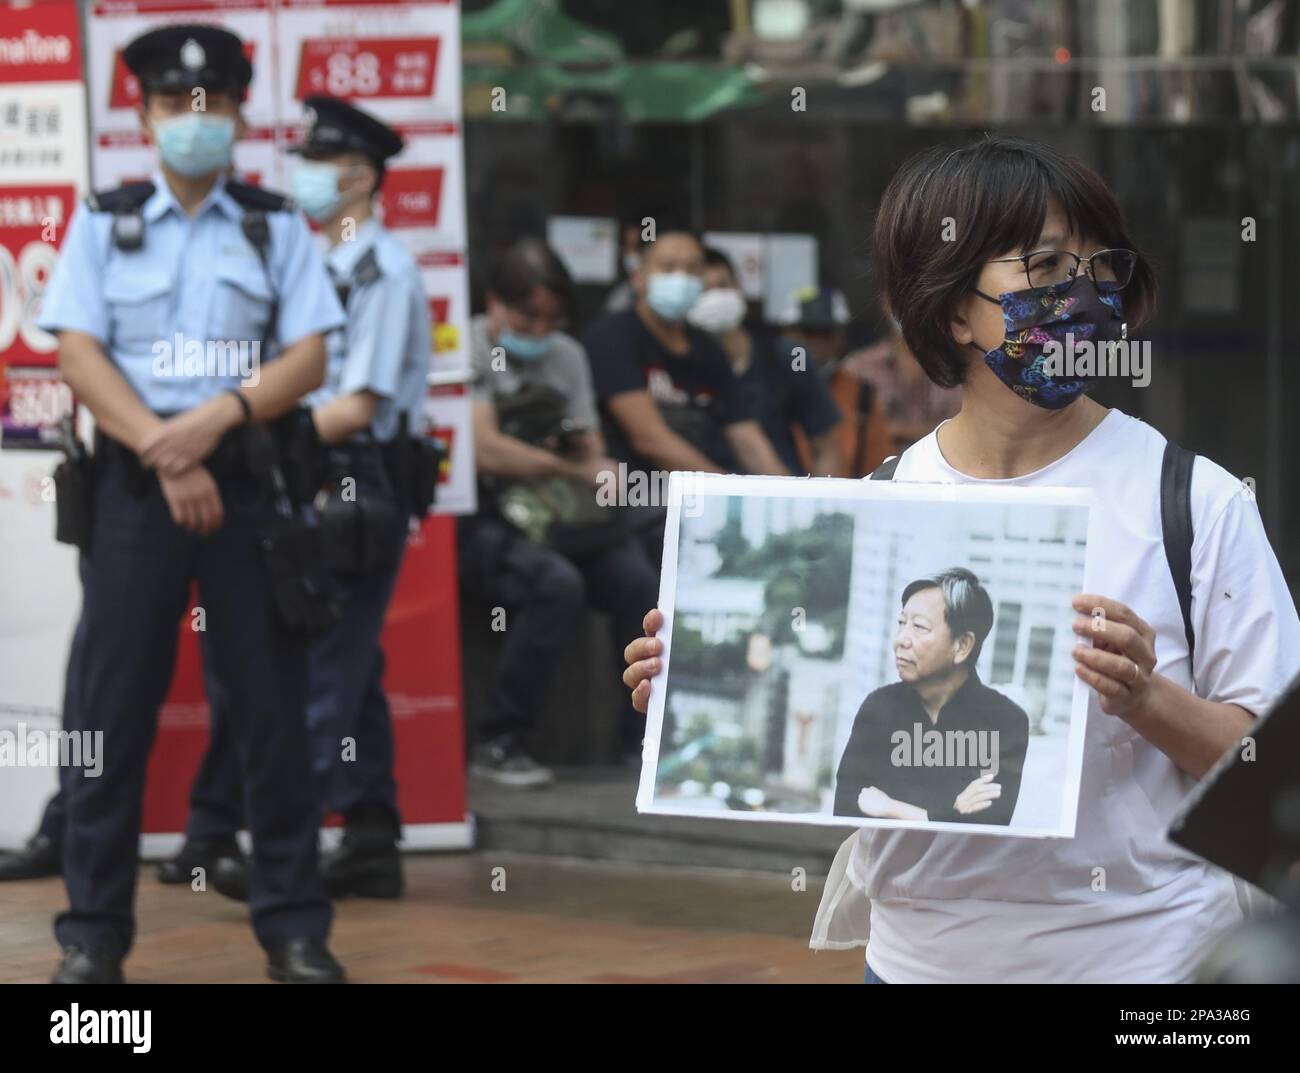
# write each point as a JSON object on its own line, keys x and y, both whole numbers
{"x": 669, "y": 397}
{"x": 537, "y": 441}
{"x": 190, "y": 312}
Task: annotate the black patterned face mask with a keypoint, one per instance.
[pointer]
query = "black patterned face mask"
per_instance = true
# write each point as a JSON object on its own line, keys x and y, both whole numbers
{"x": 1039, "y": 316}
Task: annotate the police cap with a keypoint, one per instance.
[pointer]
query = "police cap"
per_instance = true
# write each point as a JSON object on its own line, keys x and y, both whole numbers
{"x": 334, "y": 126}
{"x": 188, "y": 56}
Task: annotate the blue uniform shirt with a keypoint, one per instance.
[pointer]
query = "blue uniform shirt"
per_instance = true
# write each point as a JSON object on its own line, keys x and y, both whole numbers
{"x": 387, "y": 344}
{"x": 184, "y": 316}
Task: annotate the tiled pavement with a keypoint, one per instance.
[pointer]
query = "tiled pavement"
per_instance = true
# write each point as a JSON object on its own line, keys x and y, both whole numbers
{"x": 557, "y": 920}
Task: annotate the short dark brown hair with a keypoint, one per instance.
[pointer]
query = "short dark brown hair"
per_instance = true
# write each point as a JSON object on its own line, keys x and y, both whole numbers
{"x": 996, "y": 191}
{"x": 529, "y": 263}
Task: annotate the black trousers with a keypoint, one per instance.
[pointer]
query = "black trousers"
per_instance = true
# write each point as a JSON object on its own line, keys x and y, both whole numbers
{"x": 136, "y": 581}
{"x": 544, "y": 594}
{"x": 345, "y": 699}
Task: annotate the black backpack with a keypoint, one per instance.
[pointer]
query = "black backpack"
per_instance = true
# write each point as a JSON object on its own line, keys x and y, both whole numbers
{"x": 1175, "y": 523}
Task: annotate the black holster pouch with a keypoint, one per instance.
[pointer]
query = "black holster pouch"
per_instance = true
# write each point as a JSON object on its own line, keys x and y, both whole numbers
{"x": 302, "y": 588}
{"x": 74, "y": 492}
{"x": 422, "y": 459}
{"x": 303, "y": 591}
{"x": 301, "y": 453}
{"x": 362, "y": 522}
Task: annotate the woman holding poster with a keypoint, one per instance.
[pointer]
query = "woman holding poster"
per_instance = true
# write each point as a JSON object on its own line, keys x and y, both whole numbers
{"x": 1006, "y": 263}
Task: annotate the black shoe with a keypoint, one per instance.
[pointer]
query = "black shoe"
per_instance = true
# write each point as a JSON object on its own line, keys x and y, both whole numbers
{"x": 506, "y": 764}
{"x": 196, "y": 853}
{"x": 304, "y": 961}
{"x": 41, "y": 858}
{"x": 82, "y": 965}
{"x": 367, "y": 864}
{"x": 229, "y": 876}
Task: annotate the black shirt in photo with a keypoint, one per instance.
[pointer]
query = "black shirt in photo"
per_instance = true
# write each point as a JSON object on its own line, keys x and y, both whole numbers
{"x": 868, "y": 758}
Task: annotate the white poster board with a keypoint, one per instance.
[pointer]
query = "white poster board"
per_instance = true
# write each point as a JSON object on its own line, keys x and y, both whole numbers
{"x": 867, "y": 653}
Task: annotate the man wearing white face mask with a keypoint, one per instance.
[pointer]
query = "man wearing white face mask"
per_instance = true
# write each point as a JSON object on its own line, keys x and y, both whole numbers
{"x": 780, "y": 385}
{"x": 666, "y": 388}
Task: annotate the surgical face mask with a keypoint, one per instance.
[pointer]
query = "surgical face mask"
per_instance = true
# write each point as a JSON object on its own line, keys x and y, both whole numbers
{"x": 316, "y": 189}
{"x": 718, "y": 310}
{"x": 631, "y": 262}
{"x": 196, "y": 143}
{"x": 672, "y": 294}
{"x": 1037, "y": 322}
{"x": 525, "y": 348}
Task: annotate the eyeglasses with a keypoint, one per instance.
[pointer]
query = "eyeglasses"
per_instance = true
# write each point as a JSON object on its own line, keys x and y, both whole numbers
{"x": 1109, "y": 270}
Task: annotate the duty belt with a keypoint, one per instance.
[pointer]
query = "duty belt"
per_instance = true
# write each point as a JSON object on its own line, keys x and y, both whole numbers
{"x": 226, "y": 461}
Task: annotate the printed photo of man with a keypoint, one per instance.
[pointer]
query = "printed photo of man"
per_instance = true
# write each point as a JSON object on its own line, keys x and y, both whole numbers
{"x": 938, "y": 744}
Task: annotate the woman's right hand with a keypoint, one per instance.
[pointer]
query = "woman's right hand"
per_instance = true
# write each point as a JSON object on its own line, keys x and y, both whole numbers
{"x": 642, "y": 657}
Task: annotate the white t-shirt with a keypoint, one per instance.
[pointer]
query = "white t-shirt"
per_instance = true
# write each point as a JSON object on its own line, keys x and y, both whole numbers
{"x": 1118, "y": 902}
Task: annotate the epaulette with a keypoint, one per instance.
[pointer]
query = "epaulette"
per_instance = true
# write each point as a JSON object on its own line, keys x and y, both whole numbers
{"x": 258, "y": 199}
{"x": 367, "y": 269}
{"x": 125, "y": 198}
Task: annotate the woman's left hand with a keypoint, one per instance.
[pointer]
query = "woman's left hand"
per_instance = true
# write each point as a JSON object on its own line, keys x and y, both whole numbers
{"x": 1120, "y": 662}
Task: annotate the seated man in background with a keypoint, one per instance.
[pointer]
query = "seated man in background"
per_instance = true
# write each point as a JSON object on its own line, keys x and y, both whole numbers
{"x": 666, "y": 388}
{"x": 541, "y": 546}
{"x": 779, "y": 384}
{"x": 815, "y": 321}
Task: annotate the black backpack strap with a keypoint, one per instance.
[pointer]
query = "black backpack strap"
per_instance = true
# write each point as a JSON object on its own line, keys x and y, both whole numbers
{"x": 885, "y": 471}
{"x": 257, "y": 203}
{"x": 251, "y": 198}
{"x": 129, "y": 197}
{"x": 1176, "y": 525}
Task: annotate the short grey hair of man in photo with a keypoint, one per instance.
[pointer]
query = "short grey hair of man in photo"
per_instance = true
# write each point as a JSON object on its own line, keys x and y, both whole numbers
{"x": 967, "y": 606}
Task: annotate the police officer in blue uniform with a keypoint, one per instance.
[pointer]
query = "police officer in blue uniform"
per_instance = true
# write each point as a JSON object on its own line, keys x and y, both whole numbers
{"x": 369, "y": 408}
{"x": 168, "y": 300}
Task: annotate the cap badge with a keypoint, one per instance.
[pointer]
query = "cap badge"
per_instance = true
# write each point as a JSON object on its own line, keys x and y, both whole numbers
{"x": 192, "y": 55}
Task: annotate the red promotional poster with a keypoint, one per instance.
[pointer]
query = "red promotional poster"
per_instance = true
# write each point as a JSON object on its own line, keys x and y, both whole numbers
{"x": 33, "y": 221}
{"x": 422, "y": 683}
{"x": 412, "y": 197}
{"x": 44, "y": 47}
{"x": 366, "y": 69}
{"x": 42, "y": 165}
